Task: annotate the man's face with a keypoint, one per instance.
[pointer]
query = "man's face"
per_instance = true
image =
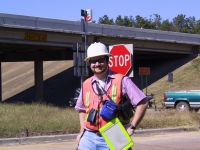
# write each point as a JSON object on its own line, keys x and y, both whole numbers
{"x": 98, "y": 65}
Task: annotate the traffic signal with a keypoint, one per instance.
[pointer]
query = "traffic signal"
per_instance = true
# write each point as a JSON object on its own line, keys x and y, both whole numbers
{"x": 83, "y": 13}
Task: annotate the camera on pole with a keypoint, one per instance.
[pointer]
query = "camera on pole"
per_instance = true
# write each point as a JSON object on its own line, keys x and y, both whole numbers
{"x": 86, "y": 14}
{"x": 83, "y": 13}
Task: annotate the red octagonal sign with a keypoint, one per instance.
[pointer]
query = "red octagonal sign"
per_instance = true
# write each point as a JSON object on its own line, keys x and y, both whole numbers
{"x": 120, "y": 61}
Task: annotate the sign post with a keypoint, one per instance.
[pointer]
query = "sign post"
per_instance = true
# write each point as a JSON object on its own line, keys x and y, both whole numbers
{"x": 80, "y": 66}
{"x": 144, "y": 71}
{"x": 170, "y": 79}
{"x": 87, "y": 16}
{"x": 122, "y": 59}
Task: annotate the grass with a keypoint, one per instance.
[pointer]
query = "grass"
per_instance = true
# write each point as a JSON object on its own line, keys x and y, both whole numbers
{"x": 39, "y": 119}
{"x": 42, "y": 119}
{"x": 170, "y": 118}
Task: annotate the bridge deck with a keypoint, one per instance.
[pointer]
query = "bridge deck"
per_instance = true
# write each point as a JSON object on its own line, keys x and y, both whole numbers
{"x": 60, "y": 34}
{"x": 53, "y": 25}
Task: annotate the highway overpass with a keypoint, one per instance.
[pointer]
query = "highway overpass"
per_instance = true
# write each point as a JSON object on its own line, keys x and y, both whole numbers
{"x": 27, "y": 38}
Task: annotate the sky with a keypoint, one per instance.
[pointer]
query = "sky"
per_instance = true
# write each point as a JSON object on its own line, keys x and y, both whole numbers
{"x": 71, "y": 9}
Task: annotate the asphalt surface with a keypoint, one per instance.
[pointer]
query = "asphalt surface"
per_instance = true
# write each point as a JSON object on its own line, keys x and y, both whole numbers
{"x": 72, "y": 137}
{"x": 176, "y": 140}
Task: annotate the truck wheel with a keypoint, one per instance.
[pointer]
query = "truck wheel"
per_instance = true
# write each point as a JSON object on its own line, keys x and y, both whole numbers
{"x": 182, "y": 106}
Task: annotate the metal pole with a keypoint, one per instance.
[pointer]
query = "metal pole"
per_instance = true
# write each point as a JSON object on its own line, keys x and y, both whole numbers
{"x": 77, "y": 62}
{"x": 146, "y": 84}
{"x": 142, "y": 82}
{"x": 86, "y": 71}
{"x": 82, "y": 80}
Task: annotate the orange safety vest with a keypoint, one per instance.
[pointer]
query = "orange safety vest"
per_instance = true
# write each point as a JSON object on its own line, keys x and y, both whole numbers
{"x": 91, "y": 99}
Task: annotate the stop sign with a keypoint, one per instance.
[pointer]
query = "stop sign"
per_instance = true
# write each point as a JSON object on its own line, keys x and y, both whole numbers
{"x": 120, "y": 61}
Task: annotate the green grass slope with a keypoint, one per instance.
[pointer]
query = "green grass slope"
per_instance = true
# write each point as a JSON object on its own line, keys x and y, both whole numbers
{"x": 187, "y": 77}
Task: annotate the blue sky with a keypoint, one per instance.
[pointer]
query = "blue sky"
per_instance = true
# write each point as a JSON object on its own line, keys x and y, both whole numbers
{"x": 70, "y": 9}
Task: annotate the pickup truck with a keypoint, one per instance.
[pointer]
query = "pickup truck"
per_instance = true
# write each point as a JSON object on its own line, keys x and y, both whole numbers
{"x": 182, "y": 100}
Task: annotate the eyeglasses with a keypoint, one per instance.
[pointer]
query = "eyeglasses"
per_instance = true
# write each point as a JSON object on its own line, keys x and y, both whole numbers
{"x": 97, "y": 60}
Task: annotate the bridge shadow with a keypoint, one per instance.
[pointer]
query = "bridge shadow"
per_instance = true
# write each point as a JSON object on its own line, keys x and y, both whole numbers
{"x": 159, "y": 68}
{"x": 57, "y": 90}
{"x": 60, "y": 88}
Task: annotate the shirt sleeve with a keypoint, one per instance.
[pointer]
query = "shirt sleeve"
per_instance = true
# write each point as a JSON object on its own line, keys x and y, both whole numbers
{"x": 134, "y": 93}
{"x": 79, "y": 104}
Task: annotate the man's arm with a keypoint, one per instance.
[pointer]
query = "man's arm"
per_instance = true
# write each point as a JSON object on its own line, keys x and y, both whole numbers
{"x": 81, "y": 119}
{"x": 81, "y": 108}
{"x": 137, "y": 98}
{"x": 139, "y": 114}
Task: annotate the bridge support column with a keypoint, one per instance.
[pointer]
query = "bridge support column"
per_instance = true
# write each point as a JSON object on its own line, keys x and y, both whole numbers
{"x": 198, "y": 50}
{"x": 0, "y": 84}
{"x": 38, "y": 68}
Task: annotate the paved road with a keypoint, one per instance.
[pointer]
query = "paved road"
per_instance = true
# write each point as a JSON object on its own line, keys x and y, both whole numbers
{"x": 165, "y": 141}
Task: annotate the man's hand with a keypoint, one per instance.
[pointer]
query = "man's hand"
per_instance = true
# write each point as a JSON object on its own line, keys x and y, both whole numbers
{"x": 130, "y": 131}
{"x": 79, "y": 137}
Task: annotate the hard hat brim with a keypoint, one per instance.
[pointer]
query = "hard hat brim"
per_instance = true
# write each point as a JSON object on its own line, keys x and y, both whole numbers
{"x": 88, "y": 58}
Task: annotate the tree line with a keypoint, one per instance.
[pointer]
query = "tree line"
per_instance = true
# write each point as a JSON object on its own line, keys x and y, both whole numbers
{"x": 180, "y": 23}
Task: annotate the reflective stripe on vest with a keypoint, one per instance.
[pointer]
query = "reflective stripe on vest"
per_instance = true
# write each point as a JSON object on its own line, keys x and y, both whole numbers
{"x": 114, "y": 93}
{"x": 87, "y": 100}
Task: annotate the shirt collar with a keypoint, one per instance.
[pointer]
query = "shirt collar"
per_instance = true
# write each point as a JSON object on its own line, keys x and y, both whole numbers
{"x": 110, "y": 75}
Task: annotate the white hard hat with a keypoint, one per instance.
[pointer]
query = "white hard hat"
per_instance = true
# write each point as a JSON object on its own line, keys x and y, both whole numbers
{"x": 96, "y": 49}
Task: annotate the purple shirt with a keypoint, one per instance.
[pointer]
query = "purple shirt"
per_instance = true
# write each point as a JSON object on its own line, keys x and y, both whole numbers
{"x": 134, "y": 93}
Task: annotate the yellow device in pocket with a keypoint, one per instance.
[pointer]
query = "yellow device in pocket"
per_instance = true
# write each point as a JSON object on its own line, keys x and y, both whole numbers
{"x": 116, "y": 136}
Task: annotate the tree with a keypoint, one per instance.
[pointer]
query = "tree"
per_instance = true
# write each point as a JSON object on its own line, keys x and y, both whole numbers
{"x": 119, "y": 21}
{"x": 140, "y": 22}
{"x": 179, "y": 24}
{"x": 166, "y": 26}
{"x": 128, "y": 22}
{"x": 105, "y": 20}
{"x": 124, "y": 21}
{"x": 190, "y": 24}
{"x": 155, "y": 21}
{"x": 196, "y": 28}
{"x": 93, "y": 21}
{"x": 183, "y": 24}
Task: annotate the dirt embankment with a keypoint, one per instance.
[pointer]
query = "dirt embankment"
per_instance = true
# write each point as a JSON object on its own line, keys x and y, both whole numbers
{"x": 59, "y": 81}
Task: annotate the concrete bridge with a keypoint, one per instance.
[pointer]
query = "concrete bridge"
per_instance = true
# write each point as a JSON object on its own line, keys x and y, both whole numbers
{"x": 26, "y": 38}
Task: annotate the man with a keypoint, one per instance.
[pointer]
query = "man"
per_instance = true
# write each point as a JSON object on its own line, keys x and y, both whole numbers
{"x": 90, "y": 100}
